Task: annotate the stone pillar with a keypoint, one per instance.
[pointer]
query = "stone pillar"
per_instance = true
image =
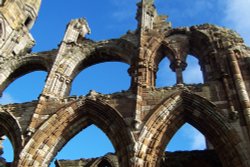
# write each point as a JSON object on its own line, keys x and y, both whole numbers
{"x": 240, "y": 87}
{"x": 178, "y": 66}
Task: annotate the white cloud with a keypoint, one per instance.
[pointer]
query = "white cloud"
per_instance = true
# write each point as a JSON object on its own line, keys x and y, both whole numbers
{"x": 237, "y": 16}
{"x": 6, "y": 99}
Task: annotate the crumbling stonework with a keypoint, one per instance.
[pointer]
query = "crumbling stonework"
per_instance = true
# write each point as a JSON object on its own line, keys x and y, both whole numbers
{"x": 206, "y": 158}
{"x": 140, "y": 121}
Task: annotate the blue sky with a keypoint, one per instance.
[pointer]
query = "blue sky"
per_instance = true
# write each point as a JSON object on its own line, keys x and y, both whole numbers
{"x": 110, "y": 19}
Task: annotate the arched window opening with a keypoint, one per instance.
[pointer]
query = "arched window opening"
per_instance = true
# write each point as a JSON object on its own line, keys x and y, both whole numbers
{"x": 165, "y": 76}
{"x": 89, "y": 143}
{"x": 28, "y": 22}
{"x": 6, "y": 151}
{"x": 188, "y": 148}
{"x": 17, "y": 91}
{"x": 187, "y": 138}
{"x": 192, "y": 74}
{"x": 104, "y": 78}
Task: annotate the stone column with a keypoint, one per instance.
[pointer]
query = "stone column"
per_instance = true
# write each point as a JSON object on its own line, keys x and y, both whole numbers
{"x": 240, "y": 87}
{"x": 178, "y": 66}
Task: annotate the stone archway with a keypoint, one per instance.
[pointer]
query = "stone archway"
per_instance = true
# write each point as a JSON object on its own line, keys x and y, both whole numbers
{"x": 187, "y": 107}
{"x": 21, "y": 67}
{"x": 11, "y": 128}
{"x": 69, "y": 64}
{"x": 67, "y": 122}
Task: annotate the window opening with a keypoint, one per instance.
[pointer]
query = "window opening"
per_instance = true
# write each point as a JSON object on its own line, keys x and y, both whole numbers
{"x": 165, "y": 76}
{"x": 17, "y": 91}
{"x": 187, "y": 138}
{"x": 6, "y": 151}
{"x": 192, "y": 74}
{"x": 104, "y": 78}
{"x": 89, "y": 143}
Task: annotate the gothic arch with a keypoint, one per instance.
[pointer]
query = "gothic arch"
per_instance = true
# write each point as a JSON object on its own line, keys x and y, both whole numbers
{"x": 11, "y": 128}
{"x": 183, "y": 107}
{"x": 193, "y": 41}
{"x": 70, "y": 120}
{"x": 158, "y": 50}
{"x": 18, "y": 68}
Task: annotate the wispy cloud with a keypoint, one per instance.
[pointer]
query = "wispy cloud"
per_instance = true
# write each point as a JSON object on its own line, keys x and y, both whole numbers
{"x": 237, "y": 16}
{"x": 6, "y": 99}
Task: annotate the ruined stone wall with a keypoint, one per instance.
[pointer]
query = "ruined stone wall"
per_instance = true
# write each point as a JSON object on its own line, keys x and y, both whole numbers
{"x": 141, "y": 120}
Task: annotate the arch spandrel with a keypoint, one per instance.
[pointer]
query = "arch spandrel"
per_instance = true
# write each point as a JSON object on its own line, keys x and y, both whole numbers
{"x": 53, "y": 134}
{"x": 201, "y": 40}
{"x": 28, "y": 63}
{"x": 185, "y": 107}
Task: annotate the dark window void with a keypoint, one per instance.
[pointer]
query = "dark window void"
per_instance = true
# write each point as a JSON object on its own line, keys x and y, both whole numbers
{"x": 187, "y": 138}
{"x": 28, "y": 22}
{"x": 165, "y": 76}
{"x": 103, "y": 78}
{"x": 1, "y": 30}
{"x": 104, "y": 163}
{"x": 192, "y": 74}
{"x": 25, "y": 88}
{"x": 89, "y": 143}
{"x": 6, "y": 150}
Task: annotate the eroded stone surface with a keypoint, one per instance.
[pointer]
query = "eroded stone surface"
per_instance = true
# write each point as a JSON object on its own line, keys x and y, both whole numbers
{"x": 140, "y": 121}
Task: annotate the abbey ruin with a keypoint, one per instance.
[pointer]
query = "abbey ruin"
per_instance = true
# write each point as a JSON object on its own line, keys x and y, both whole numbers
{"x": 140, "y": 121}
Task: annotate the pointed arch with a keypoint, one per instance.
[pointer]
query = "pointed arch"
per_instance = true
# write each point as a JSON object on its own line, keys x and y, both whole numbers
{"x": 70, "y": 120}
{"x": 183, "y": 107}
{"x": 187, "y": 138}
{"x": 12, "y": 129}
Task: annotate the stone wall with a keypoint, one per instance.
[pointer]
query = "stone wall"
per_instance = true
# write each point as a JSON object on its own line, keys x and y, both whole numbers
{"x": 139, "y": 121}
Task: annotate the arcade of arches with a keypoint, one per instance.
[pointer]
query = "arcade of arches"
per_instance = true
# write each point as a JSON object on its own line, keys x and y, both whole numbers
{"x": 140, "y": 121}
